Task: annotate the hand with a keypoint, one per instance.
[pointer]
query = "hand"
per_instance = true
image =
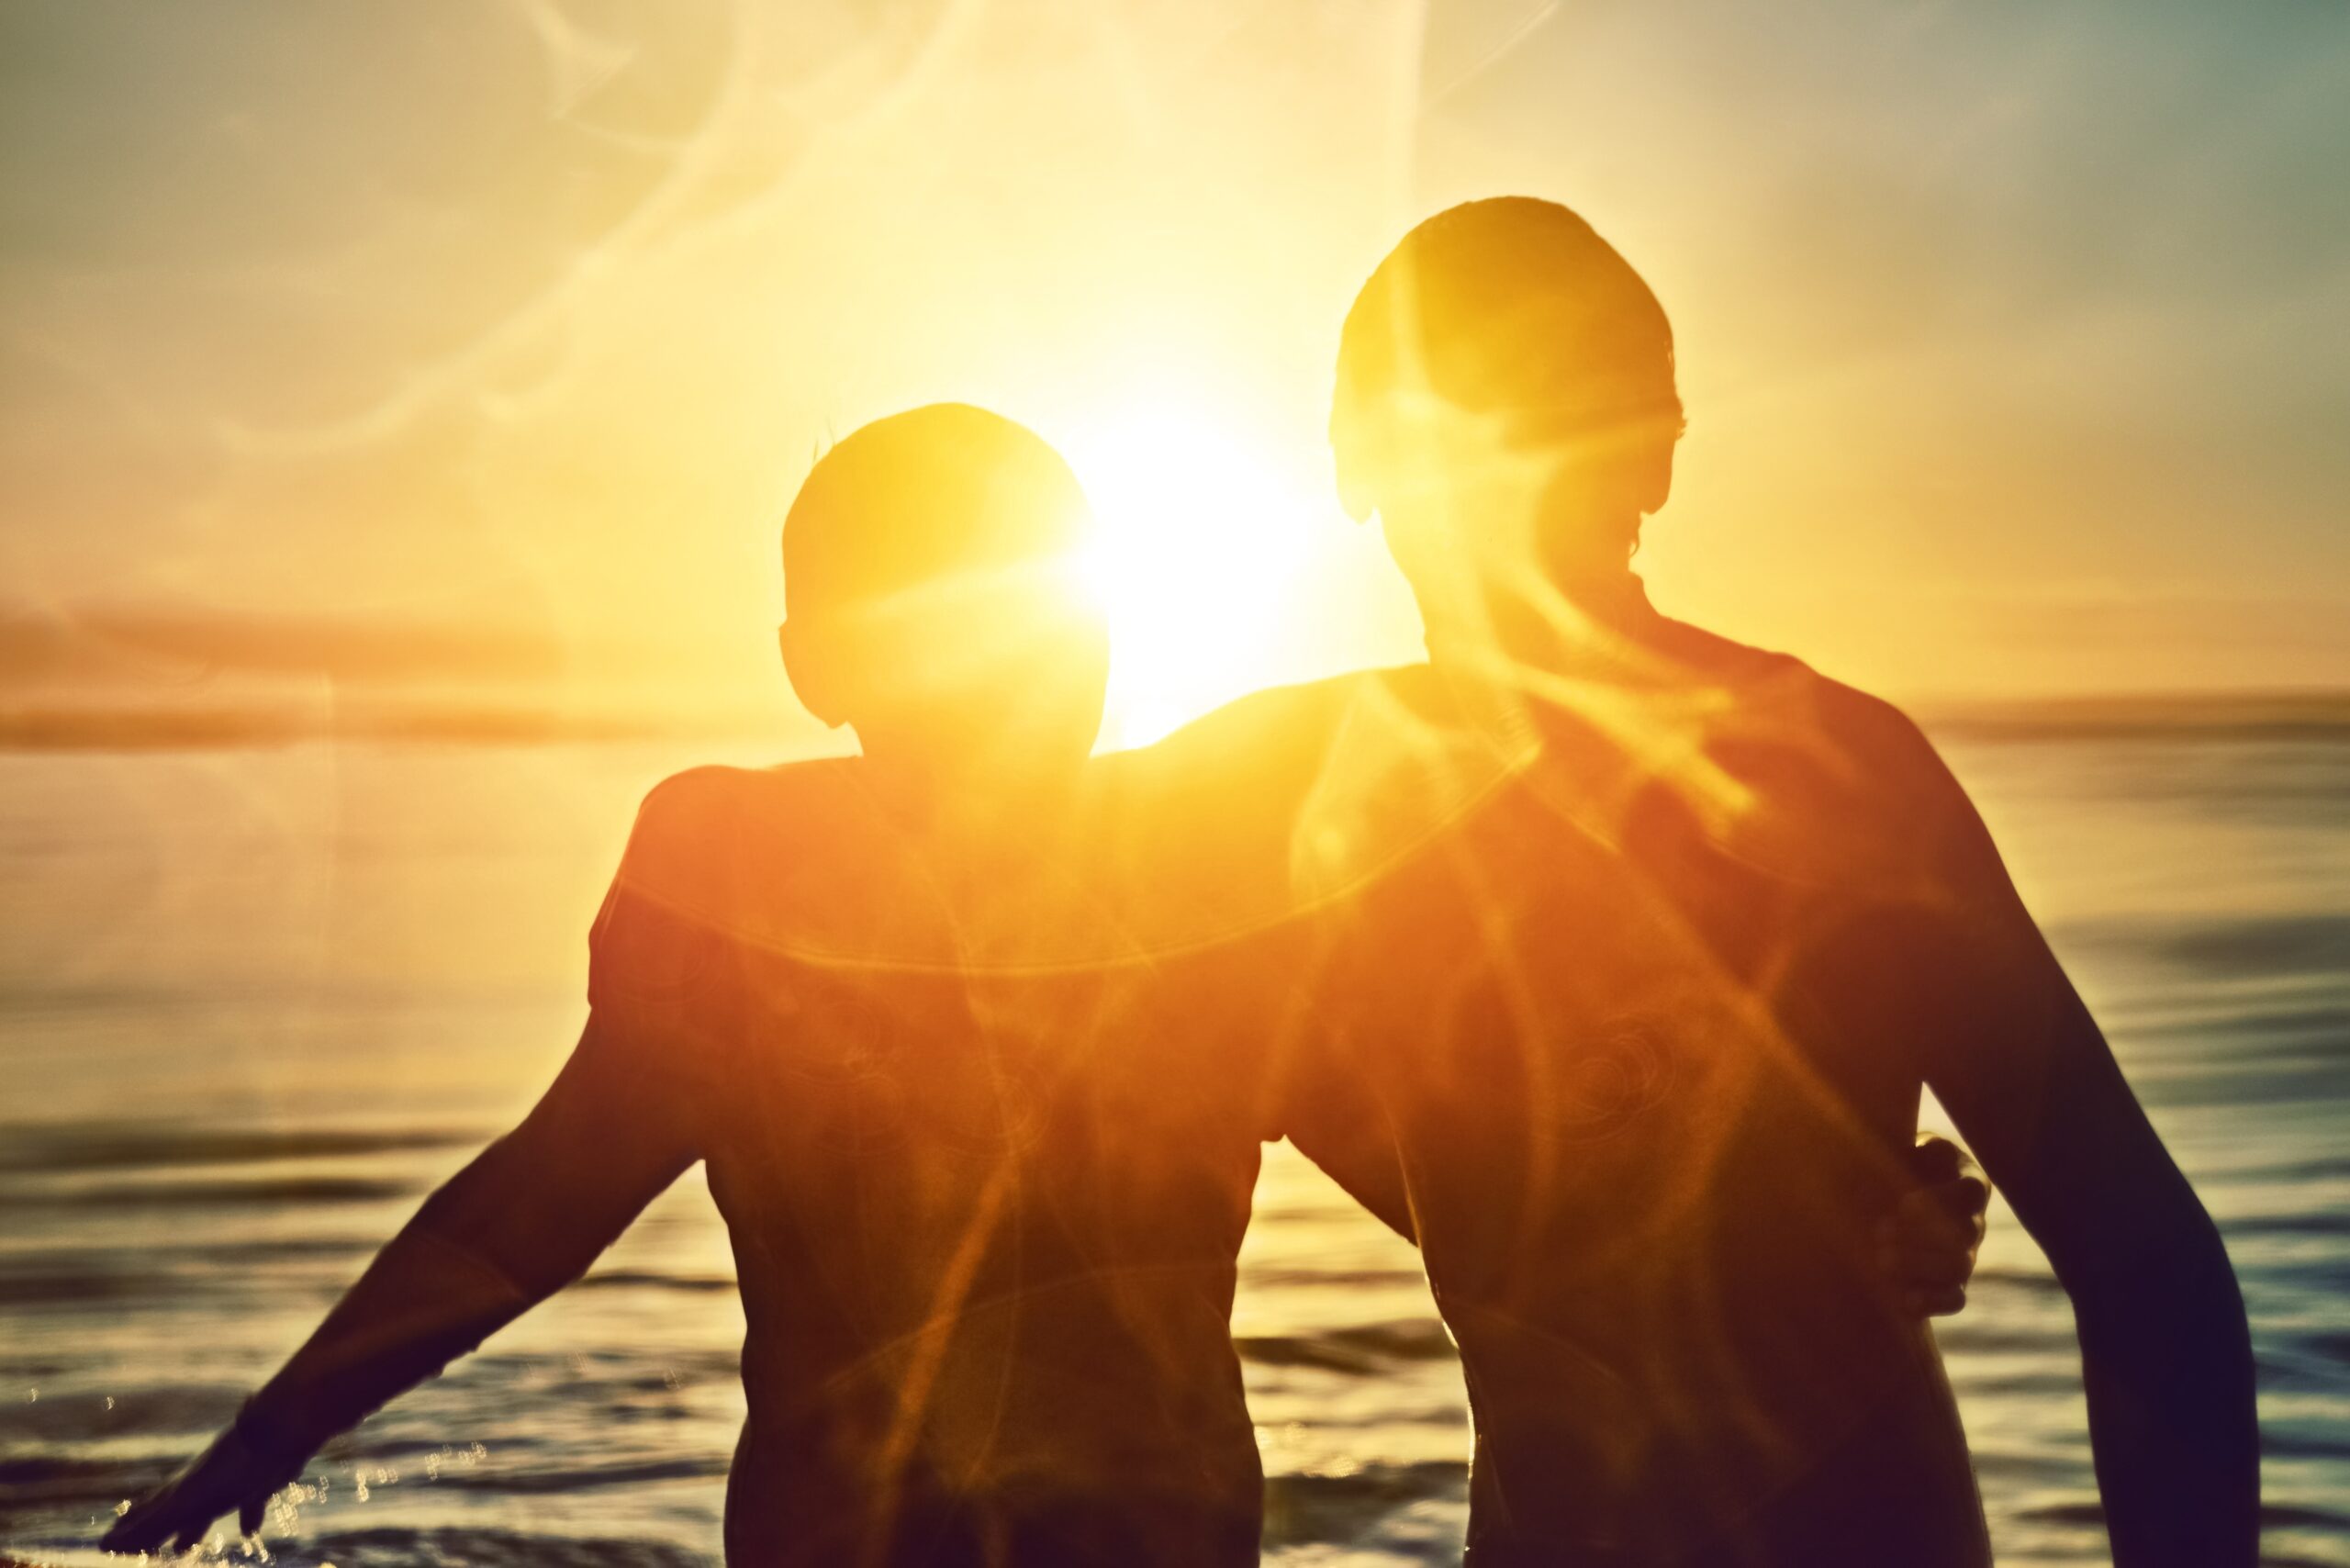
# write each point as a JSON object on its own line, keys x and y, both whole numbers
{"x": 231, "y": 1476}
{"x": 1927, "y": 1244}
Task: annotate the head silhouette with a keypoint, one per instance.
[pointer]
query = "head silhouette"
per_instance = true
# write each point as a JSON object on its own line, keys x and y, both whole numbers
{"x": 932, "y": 599}
{"x": 1505, "y": 403}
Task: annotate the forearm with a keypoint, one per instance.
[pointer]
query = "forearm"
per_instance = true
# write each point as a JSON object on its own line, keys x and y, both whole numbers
{"x": 523, "y": 1219}
{"x": 421, "y": 1303}
{"x": 2167, "y": 1361}
{"x": 425, "y": 1300}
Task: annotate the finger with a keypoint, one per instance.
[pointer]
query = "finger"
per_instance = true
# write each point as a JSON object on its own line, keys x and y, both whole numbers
{"x": 1923, "y": 1224}
{"x": 1954, "y": 1154}
{"x": 181, "y": 1517}
{"x": 1946, "y": 1231}
{"x": 1965, "y": 1187}
{"x": 1953, "y": 1249}
{"x": 141, "y": 1528}
{"x": 256, "y": 1507}
{"x": 1930, "y": 1273}
{"x": 1936, "y": 1159}
{"x": 119, "y": 1533}
{"x": 1935, "y": 1238}
{"x": 1927, "y": 1269}
{"x": 1920, "y": 1224}
{"x": 1968, "y": 1202}
{"x": 1943, "y": 1303}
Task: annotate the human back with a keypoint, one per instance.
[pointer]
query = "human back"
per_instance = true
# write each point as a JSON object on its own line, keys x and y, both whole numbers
{"x": 984, "y": 1202}
{"x": 1571, "y": 980}
{"x": 1577, "y": 977}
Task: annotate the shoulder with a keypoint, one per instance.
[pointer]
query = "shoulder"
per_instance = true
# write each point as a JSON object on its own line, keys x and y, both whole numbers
{"x": 719, "y": 857}
{"x": 683, "y": 809}
{"x": 1251, "y": 759}
{"x": 1777, "y": 699}
{"x": 687, "y": 826}
{"x": 1279, "y": 725}
{"x": 1242, "y": 771}
{"x": 646, "y": 943}
{"x": 1888, "y": 750}
{"x": 707, "y": 838}
{"x": 718, "y": 810}
{"x": 1842, "y": 770}
{"x": 1867, "y": 783}
{"x": 1870, "y": 731}
{"x": 1188, "y": 839}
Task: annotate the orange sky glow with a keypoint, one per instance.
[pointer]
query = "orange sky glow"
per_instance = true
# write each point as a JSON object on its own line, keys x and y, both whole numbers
{"x": 523, "y": 325}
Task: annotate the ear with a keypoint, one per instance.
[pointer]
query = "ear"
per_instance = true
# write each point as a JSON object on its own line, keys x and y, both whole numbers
{"x": 805, "y": 673}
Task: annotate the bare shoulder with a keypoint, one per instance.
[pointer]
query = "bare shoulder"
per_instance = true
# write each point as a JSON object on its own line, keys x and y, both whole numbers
{"x": 1191, "y": 837}
{"x": 1882, "y": 740}
{"x": 1851, "y": 780}
{"x": 1846, "y": 735}
{"x": 677, "y": 812}
{"x": 1904, "y": 814}
{"x": 700, "y": 832}
{"x": 1927, "y": 822}
{"x": 1281, "y": 724}
{"x": 1257, "y": 754}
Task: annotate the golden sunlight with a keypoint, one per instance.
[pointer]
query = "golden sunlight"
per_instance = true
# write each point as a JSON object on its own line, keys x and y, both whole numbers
{"x": 1201, "y": 537}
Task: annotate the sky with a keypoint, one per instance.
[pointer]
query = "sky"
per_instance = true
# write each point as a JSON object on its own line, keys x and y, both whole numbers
{"x": 469, "y": 344}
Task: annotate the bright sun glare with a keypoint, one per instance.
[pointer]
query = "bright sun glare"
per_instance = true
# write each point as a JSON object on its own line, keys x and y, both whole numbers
{"x": 1201, "y": 541}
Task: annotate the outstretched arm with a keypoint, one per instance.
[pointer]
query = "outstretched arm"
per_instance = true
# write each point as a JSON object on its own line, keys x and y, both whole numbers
{"x": 527, "y": 1216}
{"x": 2014, "y": 1056}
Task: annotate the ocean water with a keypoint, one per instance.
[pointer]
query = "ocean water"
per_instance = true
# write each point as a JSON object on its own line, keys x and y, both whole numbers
{"x": 254, "y": 1002}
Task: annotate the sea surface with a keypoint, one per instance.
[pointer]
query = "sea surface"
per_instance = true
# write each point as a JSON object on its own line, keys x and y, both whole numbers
{"x": 254, "y": 1002}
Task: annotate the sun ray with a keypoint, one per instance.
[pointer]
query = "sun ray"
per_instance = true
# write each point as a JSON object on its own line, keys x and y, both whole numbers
{"x": 1201, "y": 539}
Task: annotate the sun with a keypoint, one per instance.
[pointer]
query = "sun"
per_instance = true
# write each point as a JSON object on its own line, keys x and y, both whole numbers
{"x": 1201, "y": 539}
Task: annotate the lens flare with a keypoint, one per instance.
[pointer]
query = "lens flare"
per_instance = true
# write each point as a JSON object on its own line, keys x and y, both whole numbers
{"x": 1200, "y": 539}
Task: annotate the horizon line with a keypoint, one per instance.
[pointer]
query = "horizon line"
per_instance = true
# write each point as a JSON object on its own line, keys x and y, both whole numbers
{"x": 2241, "y": 713}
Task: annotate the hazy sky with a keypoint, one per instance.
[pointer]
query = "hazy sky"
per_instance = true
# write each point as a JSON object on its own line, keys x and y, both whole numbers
{"x": 2014, "y": 334}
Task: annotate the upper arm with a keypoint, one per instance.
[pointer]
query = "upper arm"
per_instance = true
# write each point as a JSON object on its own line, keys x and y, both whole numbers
{"x": 2167, "y": 1355}
{"x": 611, "y": 1134}
{"x": 2011, "y": 1049}
{"x": 626, "y": 1115}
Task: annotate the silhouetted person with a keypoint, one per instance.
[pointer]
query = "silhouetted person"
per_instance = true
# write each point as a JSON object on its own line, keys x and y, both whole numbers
{"x": 1634, "y": 949}
{"x": 979, "y": 1058}
{"x": 984, "y": 1212}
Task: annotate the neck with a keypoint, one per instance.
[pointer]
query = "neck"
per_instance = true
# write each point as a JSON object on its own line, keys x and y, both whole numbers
{"x": 1597, "y": 619}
